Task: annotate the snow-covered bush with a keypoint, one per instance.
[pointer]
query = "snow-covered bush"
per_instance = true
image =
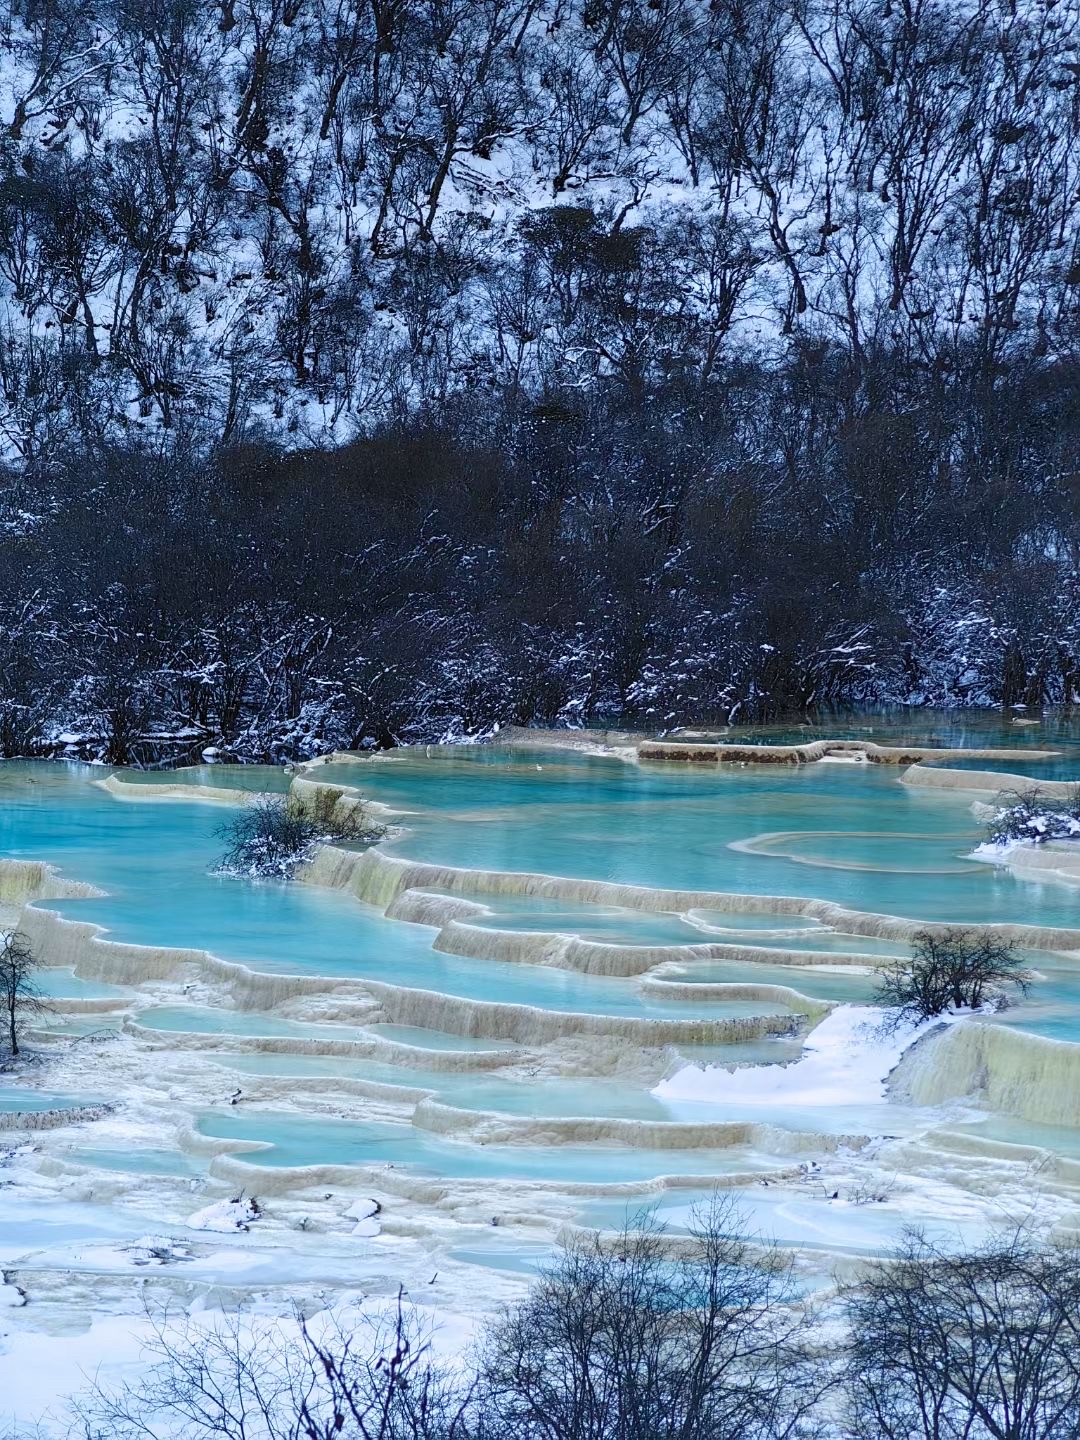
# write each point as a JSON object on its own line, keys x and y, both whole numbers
{"x": 271, "y": 836}
{"x": 1031, "y": 815}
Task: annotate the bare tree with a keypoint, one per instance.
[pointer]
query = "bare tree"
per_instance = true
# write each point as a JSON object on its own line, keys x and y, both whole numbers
{"x": 983, "y": 1345}
{"x": 635, "y": 1341}
{"x": 952, "y": 970}
{"x": 18, "y": 985}
{"x": 228, "y": 1381}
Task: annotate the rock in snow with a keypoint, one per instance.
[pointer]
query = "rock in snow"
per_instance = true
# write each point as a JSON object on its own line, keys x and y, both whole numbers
{"x": 225, "y": 1215}
{"x": 364, "y": 1213}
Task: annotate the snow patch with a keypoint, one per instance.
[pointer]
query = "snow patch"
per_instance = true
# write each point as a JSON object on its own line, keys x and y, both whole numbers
{"x": 846, "y": 1060}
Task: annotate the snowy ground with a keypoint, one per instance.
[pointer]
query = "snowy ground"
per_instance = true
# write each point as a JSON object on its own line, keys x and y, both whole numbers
{"x": 846, "y": 1061}
{"x": 84, "y": 1249}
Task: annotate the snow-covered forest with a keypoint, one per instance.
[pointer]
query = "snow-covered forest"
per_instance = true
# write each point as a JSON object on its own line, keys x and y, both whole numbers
{"x": 376, "y": 370}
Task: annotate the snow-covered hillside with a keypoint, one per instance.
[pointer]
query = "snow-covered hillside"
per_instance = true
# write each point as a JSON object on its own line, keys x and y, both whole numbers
{"x": 649, "y": 359}
{"x": 302, "y": 215}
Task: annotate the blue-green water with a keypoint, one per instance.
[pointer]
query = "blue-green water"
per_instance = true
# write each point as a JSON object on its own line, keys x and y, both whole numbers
{"x": 819, "y": 941}
{"x": 845, "y": 987}
{"x": 812, "y": 1221}
{"x": 560, "y": 813}
{"x": 852, "y": 834}
{"x": 155, "y": 863}
{"x": 66, "y": 985}
{"x": 607, "y": 927}
{"x": 1061, "y": 767}
{"x": 1007, "y": 1130}
{"x": 466, "y": 1089}
{"x": 435, "y": 1039}
{"x": 1018, "y": 728}
{"x": 138, "y": 1160}
{"x": 313, "y": 1140}
{"x": 207, "y": 1020}
{"x": 18, "y": 1097}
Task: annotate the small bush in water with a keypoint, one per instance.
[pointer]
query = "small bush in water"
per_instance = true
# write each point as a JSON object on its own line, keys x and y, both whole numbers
{"x": 1031, "y": 815}
{"x": 952, "y": 970}
{"x": 272, "y": 835}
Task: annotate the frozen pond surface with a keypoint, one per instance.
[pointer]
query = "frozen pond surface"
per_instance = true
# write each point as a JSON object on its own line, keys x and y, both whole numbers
{"x": 21, "y": 1097}
{"x": 812, "y": 1220}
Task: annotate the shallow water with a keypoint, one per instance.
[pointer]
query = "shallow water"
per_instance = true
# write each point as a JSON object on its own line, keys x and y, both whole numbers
{"x": 469, "y": 1090}
{"x": 435, "y": 1039}
{"x": 273, "y": 779}
{"x": 208, "y": 1020}
{"x": 1061, "y": 767}
{"x": 1018, "y": 728}
{"x": 821, "y": 940}
{"x": 295, "y": 1140}
{"x": 18, "y": 1097}
{"x": 811, "y": 1222}
{"x": 66, "y": 985}
{"x": 155, "y": 863}
{"x": 77, "y": 1027}
{"x": 608, "y": 927}
{"x": 139, "y": 1160}
{"x": 847, "y": 986}
{"x": 738, "y": 924}
{"x": 1009, "y": 1131}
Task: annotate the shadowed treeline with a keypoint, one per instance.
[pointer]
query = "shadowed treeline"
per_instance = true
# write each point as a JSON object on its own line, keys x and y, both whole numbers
{"x": 755, "y": 551}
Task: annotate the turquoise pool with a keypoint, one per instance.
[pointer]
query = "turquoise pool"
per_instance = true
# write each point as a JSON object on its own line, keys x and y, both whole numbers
{"x": 845, "y": 833}
{"x": 842, "y": 987}
{"x": 811, "y": 1222}
{"x": 1018, "y": 728}
{"x": 15, "y": 1098}
{"x": 468, "y": 1089}
{"x": 296, "y": 1140}
{"x": 155, "y": 862}
{"x": 563, "y": 813}
{"x": 66, "y": 985}
{"x": 852, "y": 834}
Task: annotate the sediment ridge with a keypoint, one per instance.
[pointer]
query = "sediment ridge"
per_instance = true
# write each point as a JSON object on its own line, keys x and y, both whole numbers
{"x": 616, "y": 961}
{"x": 1011, "y": 1071}
{"x": 53, "y": 1119}
{"x": 24, "y": 880}
{"x": 940, "y": 777}
{"x": 82, "y": 946}
{"x": 492, "y": 1127}
{"x": 379, "y": 879}
{"x": 530, "y": 1025}
{"x": 698, "y": 752}
{"x": 172, "y": 790}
